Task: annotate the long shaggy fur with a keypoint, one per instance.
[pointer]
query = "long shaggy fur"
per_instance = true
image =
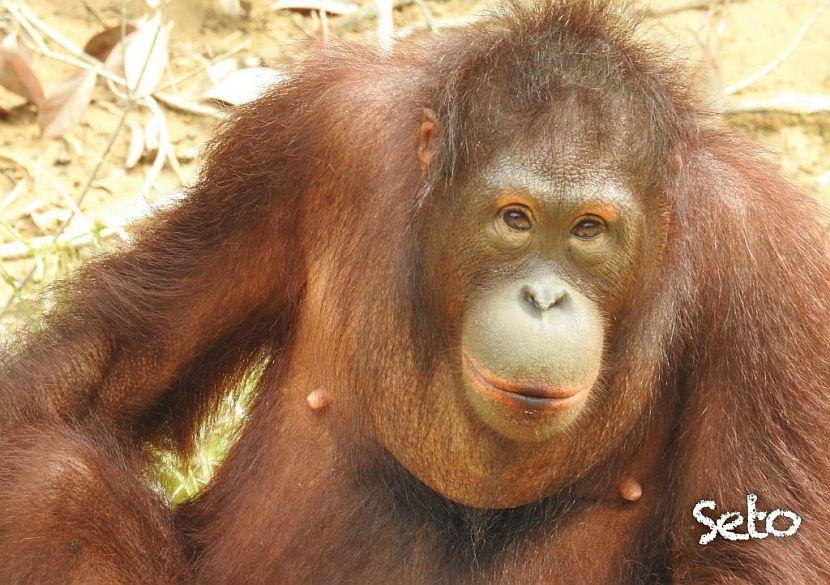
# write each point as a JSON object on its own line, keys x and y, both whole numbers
{"x": 298, "y": 250}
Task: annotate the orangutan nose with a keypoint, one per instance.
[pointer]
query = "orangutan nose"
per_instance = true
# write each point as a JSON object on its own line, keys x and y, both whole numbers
{"x": 544, "y": 295}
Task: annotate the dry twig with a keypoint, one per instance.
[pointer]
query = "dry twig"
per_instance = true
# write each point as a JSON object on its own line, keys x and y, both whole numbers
{"x": 385, "y": 8}
{"x": 772, "y": 65}
{"x": 128, "y": 106}
{"x": 683, "y": 7}
{"x": 786, "y": 102}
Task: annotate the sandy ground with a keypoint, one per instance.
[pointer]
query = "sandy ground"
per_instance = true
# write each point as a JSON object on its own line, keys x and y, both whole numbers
{"x": 741, "y": 36}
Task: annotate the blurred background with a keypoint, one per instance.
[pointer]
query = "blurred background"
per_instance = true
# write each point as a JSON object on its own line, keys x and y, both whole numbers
{"x": 104, "y": 105}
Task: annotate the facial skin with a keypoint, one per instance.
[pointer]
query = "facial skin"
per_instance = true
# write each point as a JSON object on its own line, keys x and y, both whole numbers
{"x": 533, "y": 334}
{"x": 546, "y": 239}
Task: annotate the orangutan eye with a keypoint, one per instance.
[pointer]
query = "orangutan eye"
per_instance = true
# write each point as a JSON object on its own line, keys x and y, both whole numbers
{"x": 588, "y": 228}
{"x": 516, "y": 219}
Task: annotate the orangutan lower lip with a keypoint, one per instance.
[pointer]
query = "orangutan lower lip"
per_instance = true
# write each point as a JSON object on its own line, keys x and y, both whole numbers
{"x": 525, "y": 396}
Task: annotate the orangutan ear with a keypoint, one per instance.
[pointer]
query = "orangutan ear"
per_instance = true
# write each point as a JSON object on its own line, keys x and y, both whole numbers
{"x": 427, "y": 137}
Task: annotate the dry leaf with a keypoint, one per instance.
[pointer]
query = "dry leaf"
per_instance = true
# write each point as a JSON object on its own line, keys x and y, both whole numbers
{"x": 65, "y": 105}
{"x": 329, "y": 6}
{"x": 101, "y": 45}
{"x": 151, "y": 135}
{"x": 48, "y": 219}
{"x": 23, "y": 42}
{"x": 16, "y": 74}
{"x": 136, "y": 61}
{"x": 235, "y": 8}
{"x": 140, "y": 50}
{"x": 218, "y": 71}
{"x": 136, "y": 148}
{"x": 16, "y": 191}
{"x": 245, "y": 85}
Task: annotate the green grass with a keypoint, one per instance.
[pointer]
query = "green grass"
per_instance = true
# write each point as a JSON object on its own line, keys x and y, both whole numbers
{"x": 181, "y": 480}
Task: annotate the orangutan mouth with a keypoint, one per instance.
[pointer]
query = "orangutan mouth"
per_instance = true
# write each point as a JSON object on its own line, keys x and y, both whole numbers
{"x": 523, "y": 397}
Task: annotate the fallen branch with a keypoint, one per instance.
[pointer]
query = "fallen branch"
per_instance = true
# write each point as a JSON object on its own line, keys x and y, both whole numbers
{"x": 786, "y": 102}
{"x": 178, "y": 103}
{"x": 386, "y": 27}
{"x": 772, "y": 65}
{"x": 683, "y": 7}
